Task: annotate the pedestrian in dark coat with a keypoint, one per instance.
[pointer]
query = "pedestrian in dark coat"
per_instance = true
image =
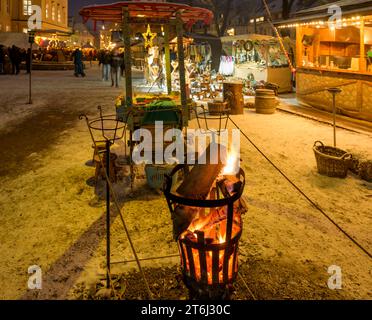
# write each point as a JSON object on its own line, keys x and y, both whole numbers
{"x": 78, "y": 62}
{"x": 106, "y": 65}
{"x": 116, "y": 62}
{"x": 15, "y": 59}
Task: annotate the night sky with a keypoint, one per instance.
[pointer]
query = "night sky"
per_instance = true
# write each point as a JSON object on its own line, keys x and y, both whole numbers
{"x": 75, "y": 5}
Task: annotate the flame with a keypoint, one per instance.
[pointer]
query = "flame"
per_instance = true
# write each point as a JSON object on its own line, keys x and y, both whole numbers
{"x": 213, "y": 224}
{"x": 232, "y": 164}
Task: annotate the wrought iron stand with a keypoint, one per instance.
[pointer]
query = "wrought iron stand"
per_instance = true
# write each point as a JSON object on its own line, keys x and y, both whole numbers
{"x": 111, "y": 129}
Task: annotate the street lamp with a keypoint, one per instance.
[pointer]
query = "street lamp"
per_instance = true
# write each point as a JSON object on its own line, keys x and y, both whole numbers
{"x": 31, "y": 40}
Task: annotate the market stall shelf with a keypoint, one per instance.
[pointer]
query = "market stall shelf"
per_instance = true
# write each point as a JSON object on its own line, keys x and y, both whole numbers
{"x": 257, "y": 58}
{"x": 329, "y": 55}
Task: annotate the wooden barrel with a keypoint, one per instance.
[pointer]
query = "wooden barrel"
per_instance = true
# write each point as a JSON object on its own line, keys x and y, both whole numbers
{"x": 266, "y": 101}
{"x": 233, "y": 93}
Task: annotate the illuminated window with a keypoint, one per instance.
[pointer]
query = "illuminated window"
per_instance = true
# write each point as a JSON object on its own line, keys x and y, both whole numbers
{"x": 47, "y": 11}
{"x": 7, "y": 28}
{"x": 53, "y": 12}
{"x": 1, "y": 27}
{"x": 59, "y": 14}
{"x": 27, "y": 10}
{"x": 8, "y": 6}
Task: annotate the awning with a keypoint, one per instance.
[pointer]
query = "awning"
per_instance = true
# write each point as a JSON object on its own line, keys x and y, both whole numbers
{"x": 146, "y": 11}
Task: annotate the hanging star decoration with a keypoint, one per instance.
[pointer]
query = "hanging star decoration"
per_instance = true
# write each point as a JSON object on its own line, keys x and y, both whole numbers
{"x": 149, "y": 37}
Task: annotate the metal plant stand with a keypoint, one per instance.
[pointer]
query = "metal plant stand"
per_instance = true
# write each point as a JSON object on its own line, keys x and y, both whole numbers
{"x": 334, "y": 92}
{"x": 110, "y": 129}
{"x": 205, "y": 116}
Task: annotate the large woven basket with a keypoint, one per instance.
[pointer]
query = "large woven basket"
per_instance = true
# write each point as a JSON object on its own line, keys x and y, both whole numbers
{"x": 332, "y": 162}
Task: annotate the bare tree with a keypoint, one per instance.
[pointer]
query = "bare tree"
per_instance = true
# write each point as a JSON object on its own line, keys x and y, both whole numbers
{"x": 286, "y": 8}
{"x": 220, "y": 8}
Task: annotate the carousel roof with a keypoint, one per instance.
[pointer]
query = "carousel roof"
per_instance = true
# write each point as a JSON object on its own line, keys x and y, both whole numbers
{"x": 149, "y": 11}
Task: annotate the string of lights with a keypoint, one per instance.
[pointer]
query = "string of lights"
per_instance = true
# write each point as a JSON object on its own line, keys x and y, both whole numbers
{"x": 293, "y": 69}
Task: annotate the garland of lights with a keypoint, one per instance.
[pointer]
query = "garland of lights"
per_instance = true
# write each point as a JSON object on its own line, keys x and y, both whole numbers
{"x": 293, "y": 69}
{"x": 354, "y": 21}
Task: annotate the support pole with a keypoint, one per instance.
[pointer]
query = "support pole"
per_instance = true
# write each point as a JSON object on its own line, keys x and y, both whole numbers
{"x": 334, "y": 92}
{"x": 127, "y": 57}
{"x": 108, "y": 282}
{"x": 362, "y": 60}
{"x": 167, "y": 59}
{"x": 181, "y": 66}
{"x": 30, "y": 78}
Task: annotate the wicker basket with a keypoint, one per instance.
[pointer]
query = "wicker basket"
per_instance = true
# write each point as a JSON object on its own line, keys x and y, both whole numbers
{"x": 332, "y": 162}
{"x": 365, "y": 170}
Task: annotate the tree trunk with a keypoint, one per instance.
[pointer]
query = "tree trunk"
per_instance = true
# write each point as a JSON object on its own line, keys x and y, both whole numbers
{"x": 286, "y": 8}
{"x": 226, "y": 15}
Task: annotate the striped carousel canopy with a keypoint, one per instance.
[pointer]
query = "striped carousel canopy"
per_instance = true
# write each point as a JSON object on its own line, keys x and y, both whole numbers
{"x": 150, "y": 12}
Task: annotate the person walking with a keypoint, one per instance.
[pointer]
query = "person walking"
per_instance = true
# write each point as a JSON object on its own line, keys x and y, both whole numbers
{"x": 105, "y": 61}
{"x": 116, "y": 62}
{"x": 78, "y": 62}
{"x": 15, "y": 59}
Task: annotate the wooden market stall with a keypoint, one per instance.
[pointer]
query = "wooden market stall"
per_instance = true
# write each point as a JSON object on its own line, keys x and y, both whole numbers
{"x": 335, "y": 53}
{"x": 139, "y": 16}
{"x": 256, "y": 57}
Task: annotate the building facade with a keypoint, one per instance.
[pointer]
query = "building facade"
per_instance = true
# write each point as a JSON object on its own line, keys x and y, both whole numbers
{"x": 14, "y": 15}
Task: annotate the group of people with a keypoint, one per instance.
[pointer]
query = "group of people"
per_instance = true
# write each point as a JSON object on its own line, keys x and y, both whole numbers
{"x": 11, "y": 59}
{"x": 112, "y": 63}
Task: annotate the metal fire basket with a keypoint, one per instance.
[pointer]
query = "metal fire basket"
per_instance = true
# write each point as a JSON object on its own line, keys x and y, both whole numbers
{"x": 208, "y": 267}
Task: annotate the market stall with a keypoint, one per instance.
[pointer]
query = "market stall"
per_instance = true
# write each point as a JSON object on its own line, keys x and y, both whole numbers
{"x": 150, "y": 19}
{"x": 256, "y": 58}
{"x": 335, "y": 54}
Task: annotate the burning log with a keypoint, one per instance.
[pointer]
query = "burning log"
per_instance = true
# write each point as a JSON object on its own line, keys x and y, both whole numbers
{"x": 199, "y": 182}
{"x": 182, "y": 218}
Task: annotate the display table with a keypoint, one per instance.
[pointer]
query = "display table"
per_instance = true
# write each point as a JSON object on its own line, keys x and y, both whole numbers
{"x": 280, "y": 76}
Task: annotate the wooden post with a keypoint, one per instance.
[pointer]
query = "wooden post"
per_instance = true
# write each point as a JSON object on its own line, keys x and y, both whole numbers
{"x": 181, "y": 66}
{"x": 167, "y": 59}
{"x": 298, "y": 46}
{"x": 362, "y": 59}
{"x": 127, "y": 57}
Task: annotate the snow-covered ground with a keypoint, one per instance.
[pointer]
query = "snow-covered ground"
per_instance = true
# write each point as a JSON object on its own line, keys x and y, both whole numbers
{"x": 48, "y": 216}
